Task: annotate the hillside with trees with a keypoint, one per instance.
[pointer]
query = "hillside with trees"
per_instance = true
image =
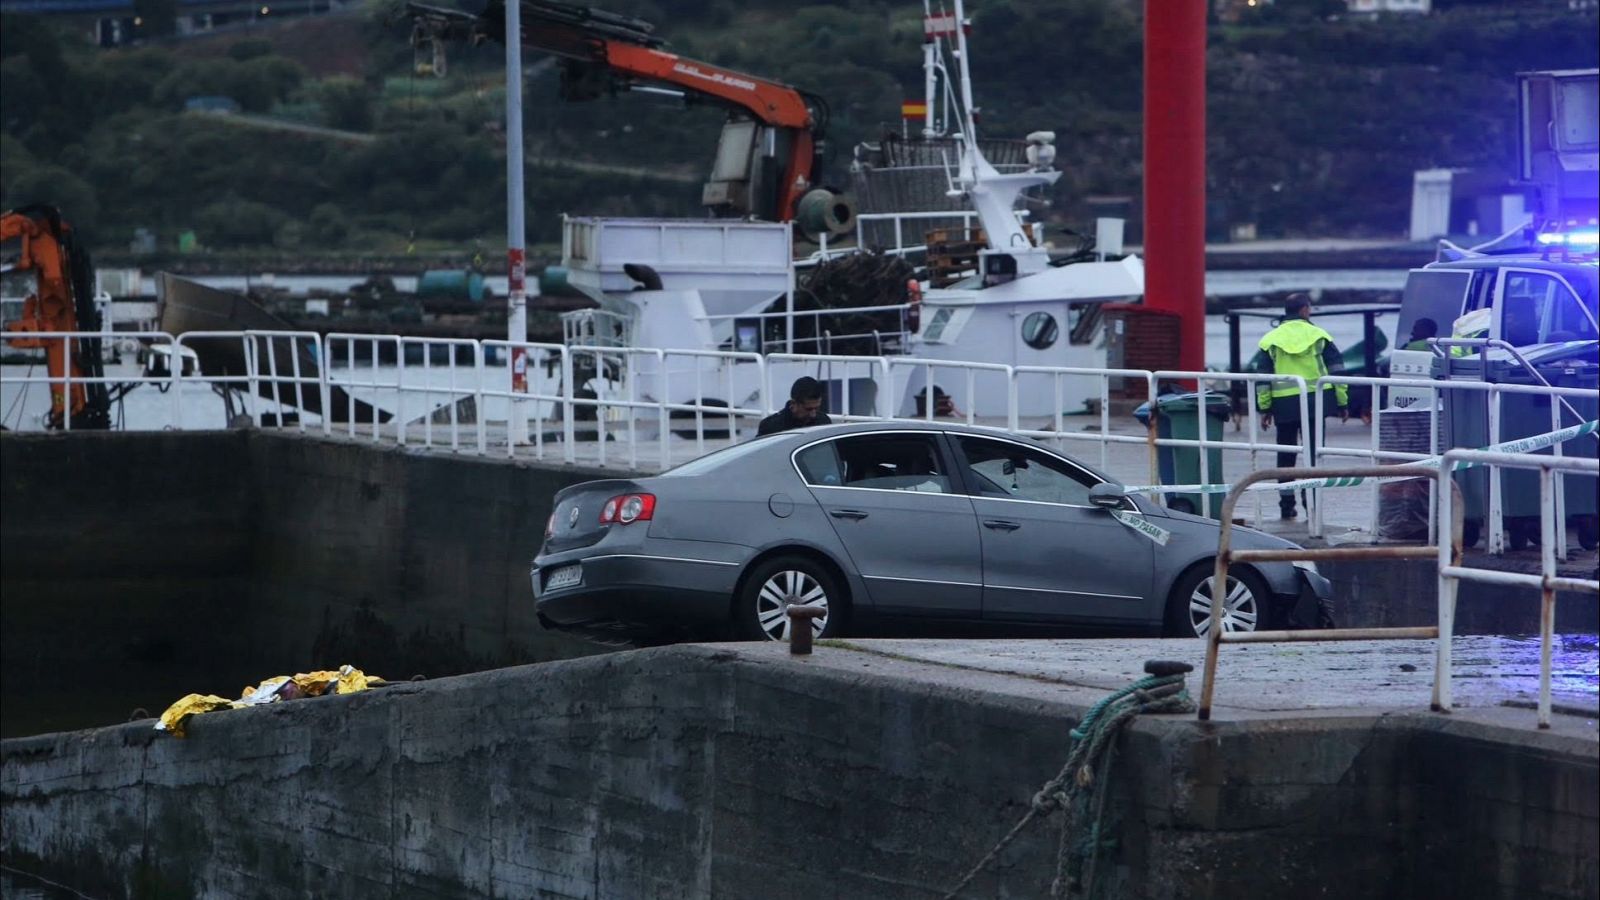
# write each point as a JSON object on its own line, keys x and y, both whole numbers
{"x": 339, "y": 147}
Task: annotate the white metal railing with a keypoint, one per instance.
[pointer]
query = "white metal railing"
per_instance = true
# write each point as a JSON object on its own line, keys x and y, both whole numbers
{"x": 1548, "y": 581}
{"x": 899, "y": 220}
{"x": 540, "y": 405}
{"x": 654, "y": 406}
{"x": 1562, "y": 413}
{"x": 823, "y": 339}
{"x": 843, "y": 370}
{"x": 13, "y": 410}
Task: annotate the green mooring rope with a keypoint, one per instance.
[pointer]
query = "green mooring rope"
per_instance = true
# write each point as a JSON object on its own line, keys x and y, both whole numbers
{"x": 1076, "y": 788}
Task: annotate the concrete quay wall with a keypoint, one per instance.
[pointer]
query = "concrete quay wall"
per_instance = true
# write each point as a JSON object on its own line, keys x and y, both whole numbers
{"x": 140, "y": 567}
{"x": 737, "y": 771}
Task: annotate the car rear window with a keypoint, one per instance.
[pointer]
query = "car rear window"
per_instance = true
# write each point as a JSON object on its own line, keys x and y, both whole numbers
{"x": 716, "y": 459}
{"x": 819, "y": 464}
{"x": 885, "y": 462}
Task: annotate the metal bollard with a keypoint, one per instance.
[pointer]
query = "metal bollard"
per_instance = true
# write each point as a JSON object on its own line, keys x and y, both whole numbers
{"x": 800, "y": 628}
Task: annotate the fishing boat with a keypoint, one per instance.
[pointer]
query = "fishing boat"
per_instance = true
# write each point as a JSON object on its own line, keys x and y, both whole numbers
{"x": 983, "y": 286}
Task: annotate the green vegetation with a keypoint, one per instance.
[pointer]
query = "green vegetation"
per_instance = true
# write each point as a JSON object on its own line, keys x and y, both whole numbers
{"x": 1315, "y": 126}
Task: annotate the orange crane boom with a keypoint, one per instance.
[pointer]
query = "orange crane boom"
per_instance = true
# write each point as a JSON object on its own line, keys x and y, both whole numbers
{"x": 772, "y": 126}
{"x": 62, "y": 301}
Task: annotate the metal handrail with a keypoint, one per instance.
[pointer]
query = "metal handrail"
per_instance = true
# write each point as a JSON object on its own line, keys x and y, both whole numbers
{"x": 1451, "y": 572}
{"x": 1494, "y": 391}
{"x": 1484, "y": 345}
{"x": 1226, "y": 556}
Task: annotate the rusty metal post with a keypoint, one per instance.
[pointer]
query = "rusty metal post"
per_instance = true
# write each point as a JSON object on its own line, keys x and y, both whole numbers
{"x": 1547, "y": 598}
{"x": 800, "y": 628}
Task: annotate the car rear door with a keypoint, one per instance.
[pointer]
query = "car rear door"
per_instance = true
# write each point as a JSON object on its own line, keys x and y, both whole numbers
{"x": 1048, "y": 554}
{"x": 911, "y": 534}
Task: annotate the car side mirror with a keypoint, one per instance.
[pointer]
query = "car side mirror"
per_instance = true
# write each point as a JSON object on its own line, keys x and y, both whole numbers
{"x": 1108, "y": 495}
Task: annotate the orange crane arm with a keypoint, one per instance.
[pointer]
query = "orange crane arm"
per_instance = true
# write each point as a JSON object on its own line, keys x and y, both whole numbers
{"x": 610, "y": 52}
{"x": 41, "y": 253}
{"x": 61, "y": 276}
{"x": 769, "y": 101}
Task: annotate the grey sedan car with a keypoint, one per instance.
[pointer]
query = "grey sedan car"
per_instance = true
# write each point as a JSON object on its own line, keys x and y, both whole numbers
{"x": 889, "y": 528}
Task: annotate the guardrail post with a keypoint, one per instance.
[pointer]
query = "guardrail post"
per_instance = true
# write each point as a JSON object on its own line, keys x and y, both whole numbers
{"x": 1450, "y": 553}
{"x": 569, "y": 434}
{"x": 1496, "y": 523}
{"x": 1547, "y": 595}
{"x": 477, "y": 398}
{"x": 66, "y": 385}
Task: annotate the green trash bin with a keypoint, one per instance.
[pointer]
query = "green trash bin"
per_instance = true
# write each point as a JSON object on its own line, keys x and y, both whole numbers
{"x": 1179, "y": 419}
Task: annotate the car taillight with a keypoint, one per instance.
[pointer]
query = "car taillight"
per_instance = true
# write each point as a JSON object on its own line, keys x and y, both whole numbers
{"x": 628, "y": 508}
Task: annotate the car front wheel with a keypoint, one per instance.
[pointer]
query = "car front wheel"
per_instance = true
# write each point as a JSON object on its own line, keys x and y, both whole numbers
{"x": 1189, "y": 609}
{"x": 761, "y": 612}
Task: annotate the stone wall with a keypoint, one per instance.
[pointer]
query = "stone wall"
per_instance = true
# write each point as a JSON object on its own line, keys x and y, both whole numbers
{"x": 699, "y": 771}
{"x": 140, "y": 567}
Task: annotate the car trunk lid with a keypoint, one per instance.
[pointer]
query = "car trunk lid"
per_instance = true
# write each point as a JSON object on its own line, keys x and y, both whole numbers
{"x": 577, "y": 513}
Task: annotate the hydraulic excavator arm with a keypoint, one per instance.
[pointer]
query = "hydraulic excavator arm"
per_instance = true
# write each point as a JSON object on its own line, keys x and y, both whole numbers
{"x": 770, "y": 149}
{"x": 63, "y": 301}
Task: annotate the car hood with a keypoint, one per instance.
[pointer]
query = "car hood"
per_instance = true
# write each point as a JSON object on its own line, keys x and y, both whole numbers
{"x": 1243, "y": 535}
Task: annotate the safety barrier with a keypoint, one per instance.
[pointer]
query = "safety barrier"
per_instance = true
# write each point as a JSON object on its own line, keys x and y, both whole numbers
{"x": 1227, "y": 556}
{"x": 1451, "y": 572}
{"x": 649, "y": 406}
{"x": 1447, "y": 555}
{"x": 1562, "y": 415}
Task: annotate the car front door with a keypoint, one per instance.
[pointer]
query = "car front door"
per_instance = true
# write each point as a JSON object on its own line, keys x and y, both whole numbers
{"x": 1534, "y": 307}
{"x": 1048, "y": 554}
{"x": 910, "y": 532}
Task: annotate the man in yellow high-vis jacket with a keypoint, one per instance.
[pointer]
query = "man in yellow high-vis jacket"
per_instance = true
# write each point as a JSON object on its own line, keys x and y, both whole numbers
{"x": 1296, "y": 347}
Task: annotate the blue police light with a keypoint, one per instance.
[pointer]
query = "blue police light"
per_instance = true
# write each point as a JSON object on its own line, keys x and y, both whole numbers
{"x": 1588, "y": 237}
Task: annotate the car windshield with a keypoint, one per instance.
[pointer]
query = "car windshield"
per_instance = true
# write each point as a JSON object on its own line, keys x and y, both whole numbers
{"x": 716, "y": 459}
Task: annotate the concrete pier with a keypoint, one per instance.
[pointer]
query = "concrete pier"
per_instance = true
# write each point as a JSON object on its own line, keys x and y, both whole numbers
{"x": 140, "y": 567}
{"x": 869, "y": 769}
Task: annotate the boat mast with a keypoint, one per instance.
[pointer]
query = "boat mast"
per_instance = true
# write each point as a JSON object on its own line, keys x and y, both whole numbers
{"x": 969, "y": 129}
{"x": 931, "y": 60}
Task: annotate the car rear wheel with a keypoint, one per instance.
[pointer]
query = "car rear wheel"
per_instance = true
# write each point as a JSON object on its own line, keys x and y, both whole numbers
{"x": 1189, "y": 609}
{"x": 761, "y": 612}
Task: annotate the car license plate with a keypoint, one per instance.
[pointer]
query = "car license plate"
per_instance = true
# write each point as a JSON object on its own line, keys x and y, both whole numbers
{"x": 566, "y": 576}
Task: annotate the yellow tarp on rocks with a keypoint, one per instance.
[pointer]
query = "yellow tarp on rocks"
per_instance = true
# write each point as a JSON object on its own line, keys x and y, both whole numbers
{"x": 347, "y": 680}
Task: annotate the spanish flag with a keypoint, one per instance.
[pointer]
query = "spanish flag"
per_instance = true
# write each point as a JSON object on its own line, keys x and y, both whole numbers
{"x": 913, "y": 109}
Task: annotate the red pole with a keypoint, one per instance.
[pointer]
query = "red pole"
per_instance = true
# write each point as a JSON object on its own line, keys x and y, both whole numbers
{"x": 1175, "y": 169}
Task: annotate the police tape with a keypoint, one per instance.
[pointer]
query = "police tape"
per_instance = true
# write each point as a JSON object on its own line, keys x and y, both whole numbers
{"x": 1142, "y": 525}
{"x": 1520, "y": 445}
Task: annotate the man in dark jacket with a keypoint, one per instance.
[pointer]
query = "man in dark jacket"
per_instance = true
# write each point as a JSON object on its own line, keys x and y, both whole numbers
{"x": 803, "y": 410}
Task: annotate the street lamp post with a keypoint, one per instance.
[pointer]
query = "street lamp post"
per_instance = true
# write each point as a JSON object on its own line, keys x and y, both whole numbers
{"x": 516, "y": 227}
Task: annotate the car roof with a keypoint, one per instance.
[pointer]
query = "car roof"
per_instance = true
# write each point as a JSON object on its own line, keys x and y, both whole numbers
{"x": 814, "y": 432}
{"x": 823, "y": 432}
{"x": 1516, "y": 261}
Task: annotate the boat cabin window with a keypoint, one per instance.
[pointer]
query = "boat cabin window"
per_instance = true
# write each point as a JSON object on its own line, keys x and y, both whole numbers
{"x": 1083, "y": 322}
{"x": 998, "y": 268}
{"x": 1039, "y": 330}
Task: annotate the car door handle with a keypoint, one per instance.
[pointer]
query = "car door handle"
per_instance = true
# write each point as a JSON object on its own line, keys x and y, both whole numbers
{"x": 1001, "y": 524}
{"x": 854, "y": 514}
